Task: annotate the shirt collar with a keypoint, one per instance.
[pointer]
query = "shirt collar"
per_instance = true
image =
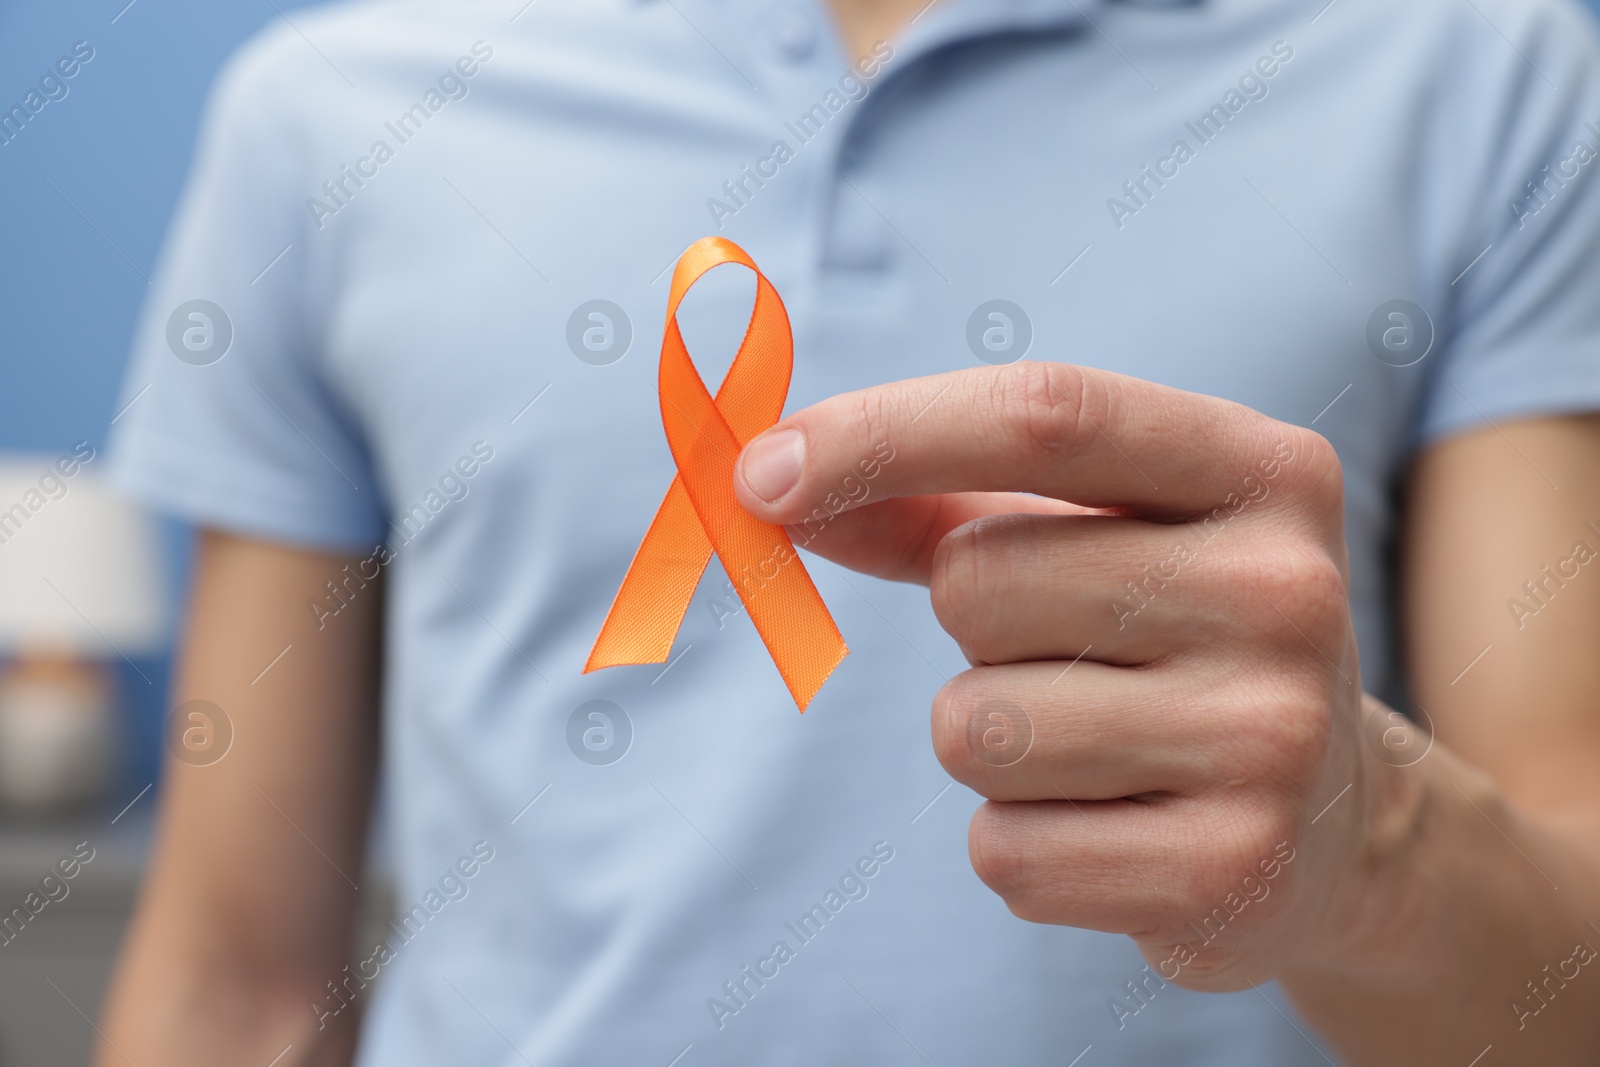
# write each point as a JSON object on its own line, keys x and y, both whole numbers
{"x": 948, "y": 21}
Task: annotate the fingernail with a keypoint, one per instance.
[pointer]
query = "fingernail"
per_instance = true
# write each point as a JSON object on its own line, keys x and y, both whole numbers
{"x": 771, "y": 463}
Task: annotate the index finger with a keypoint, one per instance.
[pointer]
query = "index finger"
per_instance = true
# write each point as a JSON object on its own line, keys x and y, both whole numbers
{"x": 1091, "y": 437}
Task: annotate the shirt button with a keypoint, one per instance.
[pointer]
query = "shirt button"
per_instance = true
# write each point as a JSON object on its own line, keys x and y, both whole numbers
{"x": 858, "y": 237}
{"x": 794, "y": 34}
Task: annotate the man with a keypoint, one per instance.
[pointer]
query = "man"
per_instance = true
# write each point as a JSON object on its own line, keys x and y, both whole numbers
{"x": 418, "y": 419}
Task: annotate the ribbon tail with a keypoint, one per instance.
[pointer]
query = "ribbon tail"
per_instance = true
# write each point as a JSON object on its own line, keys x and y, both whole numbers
{"x": 794, "y": 624}
{"x": 655, "y": 594}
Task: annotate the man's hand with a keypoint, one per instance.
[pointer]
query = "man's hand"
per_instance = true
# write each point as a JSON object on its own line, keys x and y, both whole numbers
{"x": 1165, "y": 694}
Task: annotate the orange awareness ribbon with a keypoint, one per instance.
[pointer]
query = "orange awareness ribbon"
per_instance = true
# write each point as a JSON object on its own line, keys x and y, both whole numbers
{"x": 700, "y": 513}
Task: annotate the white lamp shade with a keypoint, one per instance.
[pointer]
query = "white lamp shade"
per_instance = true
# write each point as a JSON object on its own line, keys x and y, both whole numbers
{"x": 81, "y": 569}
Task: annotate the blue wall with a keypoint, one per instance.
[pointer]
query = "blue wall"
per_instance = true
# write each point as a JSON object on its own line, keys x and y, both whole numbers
{"x": 118, "y": 147}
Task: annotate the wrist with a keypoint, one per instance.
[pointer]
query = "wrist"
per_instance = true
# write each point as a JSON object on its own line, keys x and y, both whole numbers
{"x": 1385, "y": 885}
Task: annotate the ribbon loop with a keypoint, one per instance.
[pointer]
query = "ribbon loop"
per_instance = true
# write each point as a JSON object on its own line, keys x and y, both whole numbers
{"x": 700, "y": 515}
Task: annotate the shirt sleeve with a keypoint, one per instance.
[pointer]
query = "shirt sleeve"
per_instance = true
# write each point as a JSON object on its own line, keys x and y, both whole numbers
{"x": 225, "y": 418}
{"x": 1522, "y": 283}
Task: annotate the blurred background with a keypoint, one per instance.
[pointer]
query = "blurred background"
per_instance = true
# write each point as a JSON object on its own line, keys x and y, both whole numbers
{"x": 90, "y": 589}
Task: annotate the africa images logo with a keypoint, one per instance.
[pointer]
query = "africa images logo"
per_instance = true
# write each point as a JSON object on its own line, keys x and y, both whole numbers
{"x": 1207, "y": 127}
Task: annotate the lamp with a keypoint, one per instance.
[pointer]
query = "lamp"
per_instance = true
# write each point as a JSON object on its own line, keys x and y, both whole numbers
{"x": 81, "y": 585}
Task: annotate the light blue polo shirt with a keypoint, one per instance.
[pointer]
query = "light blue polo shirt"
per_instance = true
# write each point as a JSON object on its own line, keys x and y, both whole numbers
{"x": 429, "y": 244}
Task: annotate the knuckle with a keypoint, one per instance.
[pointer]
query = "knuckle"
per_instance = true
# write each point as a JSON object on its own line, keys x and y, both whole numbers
{"x": 1280, "y": 705}
{"x": 1324, "y": 599}
{"x": 956, "y": 582}
{"x": 842, "y": 429}
{"x": 1321, "y": 482}
{"x": 1264, "y": 836}
{"x": 1296, "y": 582}
{"x": 1238, "y": 888}
{"x": 998, "y": 858}
{"x": 952, "y": 714}
{"x": 1052, "y": 404}
{"x": 975, "y": 732}
{"x": 1247, "y": 836}
{"x": 1293, "y": 736}
{"x": 872, "y": 417}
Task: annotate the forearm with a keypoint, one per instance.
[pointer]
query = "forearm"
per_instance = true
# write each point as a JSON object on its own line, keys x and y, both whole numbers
{"x": 1463, "y": 940}
{"x": 181, "y": 1003}
{"x": 249, "y": 909}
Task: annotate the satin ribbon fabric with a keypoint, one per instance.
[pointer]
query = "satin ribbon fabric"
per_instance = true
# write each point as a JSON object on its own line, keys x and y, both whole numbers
{"x": 700, "y": 514}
